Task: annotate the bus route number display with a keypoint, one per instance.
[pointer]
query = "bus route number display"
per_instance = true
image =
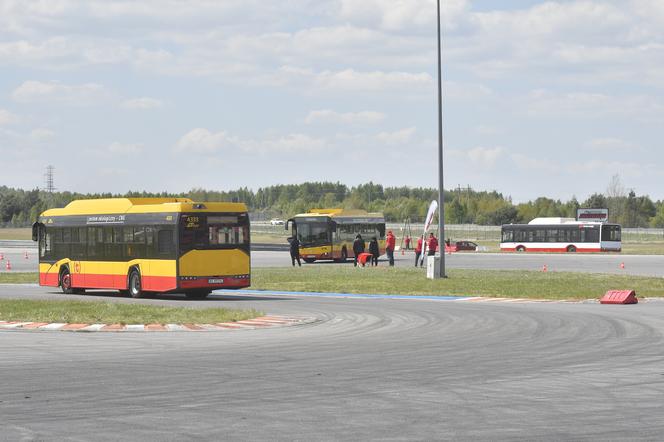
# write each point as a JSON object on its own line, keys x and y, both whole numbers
{"x": 192, "y": 222}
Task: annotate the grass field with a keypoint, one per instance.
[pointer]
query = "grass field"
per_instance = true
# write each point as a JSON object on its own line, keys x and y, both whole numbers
{"x": 92, "y": 312}
{"x": 18, "y": 233}
{"x": 412, "y": 281}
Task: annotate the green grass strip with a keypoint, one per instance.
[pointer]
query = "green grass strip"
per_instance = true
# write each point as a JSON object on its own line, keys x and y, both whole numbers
{"x": 92, "y": 312}
{"x": 491, "y": 283}
{"x": 19, "y": 278}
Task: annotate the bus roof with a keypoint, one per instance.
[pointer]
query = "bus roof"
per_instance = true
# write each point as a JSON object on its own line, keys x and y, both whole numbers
{"x": 340, "y": 213}
{"x": 141, "y": 205}
{"x": 549, "y": 221}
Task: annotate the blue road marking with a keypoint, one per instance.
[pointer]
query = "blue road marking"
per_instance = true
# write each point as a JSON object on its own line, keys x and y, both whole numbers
{"x": 339, "y": 295}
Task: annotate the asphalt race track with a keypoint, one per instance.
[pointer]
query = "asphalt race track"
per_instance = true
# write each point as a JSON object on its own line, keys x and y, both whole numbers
{"x": 644, "y": 265}
{"x": 368, "y": 369}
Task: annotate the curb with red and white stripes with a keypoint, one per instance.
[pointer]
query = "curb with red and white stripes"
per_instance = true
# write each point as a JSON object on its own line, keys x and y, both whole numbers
{"x": 247, "y": 324}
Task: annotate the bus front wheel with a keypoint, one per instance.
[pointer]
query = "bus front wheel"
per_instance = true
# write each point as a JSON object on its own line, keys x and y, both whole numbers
{"x": 571, "y": 249}
{"x": 520, "y": 249}
{"x": 135, "y": 289}
{"x": 65, "y": 282}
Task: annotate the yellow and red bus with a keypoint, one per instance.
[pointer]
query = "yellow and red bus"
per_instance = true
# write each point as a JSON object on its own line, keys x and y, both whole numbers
{"x": 144, "y": 245}
{"x": 329, "y": 233}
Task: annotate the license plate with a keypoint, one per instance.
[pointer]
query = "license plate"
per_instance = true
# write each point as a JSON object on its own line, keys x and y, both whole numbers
{"x": 215, "y": 281}
{"x": 311, "y": 256}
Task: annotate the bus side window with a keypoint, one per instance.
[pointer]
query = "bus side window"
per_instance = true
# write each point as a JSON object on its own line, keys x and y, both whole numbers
{"x": 92, "y": 241}
{"x": 165, "y": 242}
{"x": 46, "y": 244}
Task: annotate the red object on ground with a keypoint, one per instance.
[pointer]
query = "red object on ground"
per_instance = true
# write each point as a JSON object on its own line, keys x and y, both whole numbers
{"x": 362, "y": 258}
{"x": 8, "y": 266}
{"x": 619, "y": 297}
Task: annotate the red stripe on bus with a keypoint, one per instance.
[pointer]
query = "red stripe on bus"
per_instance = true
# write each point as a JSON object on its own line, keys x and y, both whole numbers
{"x": 548, "y": 249}
{"x": 49, "y": 279}
{"x": 203, "y": 283}
{"x": 117, "y": 282}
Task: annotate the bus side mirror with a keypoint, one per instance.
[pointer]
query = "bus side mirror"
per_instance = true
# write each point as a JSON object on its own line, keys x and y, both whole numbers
{"x": 288, "y": 221}
{"x": 35, "y": 231}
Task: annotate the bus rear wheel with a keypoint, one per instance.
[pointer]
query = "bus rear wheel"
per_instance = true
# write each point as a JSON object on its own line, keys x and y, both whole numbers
{"x": 135, "y": 288}
{"x": 571, "y": 249}
{"x": 520, "y": 249}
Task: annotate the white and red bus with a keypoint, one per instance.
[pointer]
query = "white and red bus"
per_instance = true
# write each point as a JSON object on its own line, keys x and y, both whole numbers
{"x": 560, "y": 235}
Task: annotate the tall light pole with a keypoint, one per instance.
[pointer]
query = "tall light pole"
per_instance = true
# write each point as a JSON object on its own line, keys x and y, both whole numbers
{"x": 441, "y": 192}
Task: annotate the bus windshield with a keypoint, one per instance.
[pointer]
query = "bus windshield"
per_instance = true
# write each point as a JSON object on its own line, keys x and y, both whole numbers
{"x": 310, "y": 233}
{"x": 212, "y": 231}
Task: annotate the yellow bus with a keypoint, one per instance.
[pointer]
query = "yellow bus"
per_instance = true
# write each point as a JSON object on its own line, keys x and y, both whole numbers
{"x": 329, "y": 233}
{"x": 144, "y": 245}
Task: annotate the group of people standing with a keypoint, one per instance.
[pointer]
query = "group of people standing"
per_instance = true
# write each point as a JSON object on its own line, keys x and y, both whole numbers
{"x": 374, "y": 250}
{"x": 390, "y": 241}
{"x": 431, "y": 246}
{"x": 358, "y": 248}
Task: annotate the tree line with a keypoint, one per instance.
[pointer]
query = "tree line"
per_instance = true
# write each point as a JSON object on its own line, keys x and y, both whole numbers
{"x": 20, "y": 208}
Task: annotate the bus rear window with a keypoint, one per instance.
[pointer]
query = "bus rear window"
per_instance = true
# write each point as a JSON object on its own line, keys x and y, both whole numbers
{"x": 202, "y": 231}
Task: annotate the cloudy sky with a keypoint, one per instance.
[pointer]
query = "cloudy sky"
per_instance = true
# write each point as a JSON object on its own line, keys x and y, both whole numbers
{"x": 540, "y": 98}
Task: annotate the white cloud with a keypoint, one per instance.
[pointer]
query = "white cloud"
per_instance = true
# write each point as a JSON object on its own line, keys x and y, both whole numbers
{"x": 398, "y": 137}
{"x": 7, "y": 118}
{"x": 201, "y": 140}
{"x": 125, "y": 148}
{"x": 55, "y": 92}
{"x": 534, "y": 165}
{"x": 289, "y": 144}
{"x": 485, "y": 156}
{"x": 330, "y": 116}
{"x": 611, "y": 144}
{"x": 42, "y": 134}
{"x": 142, "y": 103}
{"x": 593, "y": 105}
{"x": 402, "y": 14}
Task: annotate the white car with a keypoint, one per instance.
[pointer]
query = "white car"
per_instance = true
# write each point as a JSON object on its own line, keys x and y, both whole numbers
{"x": 277, "y": 222}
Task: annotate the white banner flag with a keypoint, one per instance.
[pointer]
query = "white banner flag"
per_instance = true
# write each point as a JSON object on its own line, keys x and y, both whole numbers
{"x": 430, "y": 214}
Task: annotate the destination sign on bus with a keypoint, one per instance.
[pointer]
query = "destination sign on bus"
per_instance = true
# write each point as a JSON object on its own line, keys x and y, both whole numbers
{"x": 596, "y": 215}
{"x": 106, "y": 219}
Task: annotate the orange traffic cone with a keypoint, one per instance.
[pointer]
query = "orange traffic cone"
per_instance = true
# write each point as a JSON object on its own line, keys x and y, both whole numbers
{"x": 544, "y": 269}
{"x": 8, "y": 266}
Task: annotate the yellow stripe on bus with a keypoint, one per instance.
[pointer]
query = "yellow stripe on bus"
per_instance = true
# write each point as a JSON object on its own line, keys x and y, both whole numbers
{"x": 147, "y": 267}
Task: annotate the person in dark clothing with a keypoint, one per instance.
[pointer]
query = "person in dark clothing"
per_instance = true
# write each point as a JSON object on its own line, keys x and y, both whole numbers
{"x": 374, "y": 250}
{"x": 418, "y": 251}
{"x": 358, "y": 247}
{"x": 295, "y": 251}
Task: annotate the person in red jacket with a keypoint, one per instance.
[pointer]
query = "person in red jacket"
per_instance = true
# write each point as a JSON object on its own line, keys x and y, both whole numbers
{"x": 390, "y": 242}
{"x": 418, "y": 251}
{"x": 432, "y": 245}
